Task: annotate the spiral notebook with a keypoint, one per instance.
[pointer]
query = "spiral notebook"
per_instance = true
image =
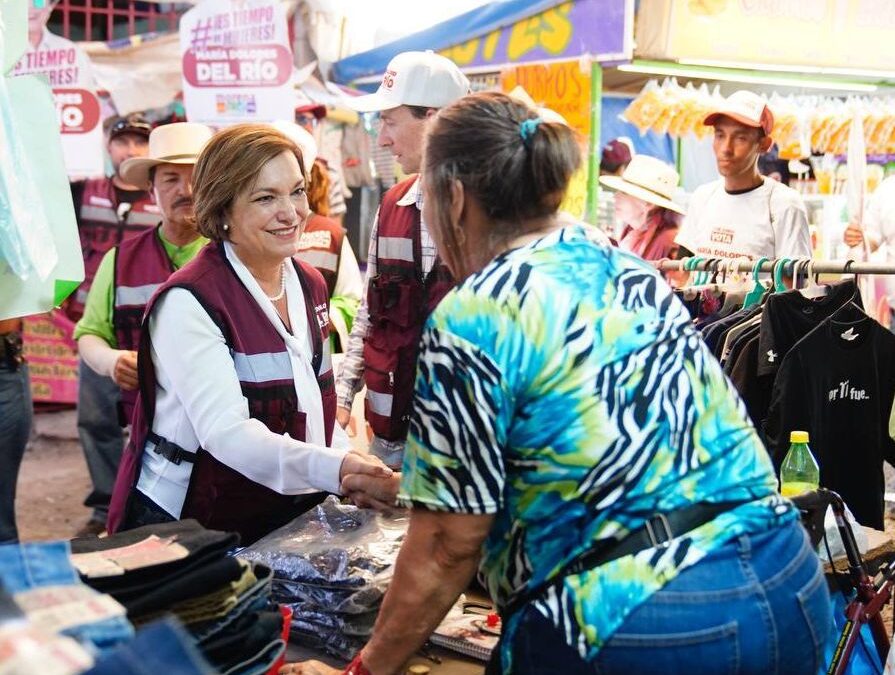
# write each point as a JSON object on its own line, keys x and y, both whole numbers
{"x": 466, "y": 634}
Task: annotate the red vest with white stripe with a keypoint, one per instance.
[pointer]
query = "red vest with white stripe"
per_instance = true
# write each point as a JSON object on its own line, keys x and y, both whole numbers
{"x": 100, "y": 229}
{"x": 399, "y": 301}
{"x": 219, "y": 497}
{"x": 141, "y": 266}
{"x": 321, "y": 246}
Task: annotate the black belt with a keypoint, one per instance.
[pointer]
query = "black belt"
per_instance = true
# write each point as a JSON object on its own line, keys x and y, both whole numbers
{"x": 11, "y": 349}
{"x": 170, "y": 451}
{"x": 657, "y": 532}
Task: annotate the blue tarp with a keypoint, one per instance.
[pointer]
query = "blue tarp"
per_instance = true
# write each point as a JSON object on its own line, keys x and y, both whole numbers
{"x": 472, "y": 24}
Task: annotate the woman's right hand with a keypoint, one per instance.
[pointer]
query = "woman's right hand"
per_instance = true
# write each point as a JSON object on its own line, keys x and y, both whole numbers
{"x": 368, "y": 482}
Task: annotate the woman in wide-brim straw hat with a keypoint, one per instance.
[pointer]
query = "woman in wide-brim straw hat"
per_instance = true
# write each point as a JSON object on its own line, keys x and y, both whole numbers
{"x": 645, "y": 207}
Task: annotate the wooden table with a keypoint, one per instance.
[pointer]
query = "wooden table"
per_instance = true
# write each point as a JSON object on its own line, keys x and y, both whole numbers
{"x": 451, "y": 663}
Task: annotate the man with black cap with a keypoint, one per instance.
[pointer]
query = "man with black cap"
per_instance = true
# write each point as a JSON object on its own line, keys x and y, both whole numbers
{"x": 110, "y": 210}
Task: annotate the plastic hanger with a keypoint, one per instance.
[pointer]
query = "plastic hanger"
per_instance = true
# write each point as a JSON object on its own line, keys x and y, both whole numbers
{"x": 850, "y": 303}
{"x": 779, "y": 266}
{"x": 813, "y": 289}
{"x": 754, "y": 296}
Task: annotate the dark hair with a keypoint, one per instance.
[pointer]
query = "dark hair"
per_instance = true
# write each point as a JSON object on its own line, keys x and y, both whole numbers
{"x": 419, "y": 111}
{"x": 229, "y": 164}
{"x": 479, "y": 141}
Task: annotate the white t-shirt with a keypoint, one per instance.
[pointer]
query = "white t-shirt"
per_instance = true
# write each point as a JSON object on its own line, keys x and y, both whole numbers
{"x": 879, "y": 224}
{"x": 769, "y": 221}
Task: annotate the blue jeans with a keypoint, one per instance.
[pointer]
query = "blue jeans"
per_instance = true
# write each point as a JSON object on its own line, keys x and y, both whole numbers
{"x": 15, "y": 427}
{"x": 757, "y": 605}
{"x": 161, "y": 647}
{"x": 24, "y": 567}
{"x": 101, "y": 435}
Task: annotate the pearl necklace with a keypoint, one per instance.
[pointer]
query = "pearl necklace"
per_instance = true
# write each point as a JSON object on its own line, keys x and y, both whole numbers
{"x": 279, "y": 296}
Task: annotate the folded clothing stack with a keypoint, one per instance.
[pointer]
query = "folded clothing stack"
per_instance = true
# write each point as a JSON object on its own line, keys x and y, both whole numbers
{"x": 331, "y": 566}
{"x": 42, "y": 583}
{"x": 183, "y": 569}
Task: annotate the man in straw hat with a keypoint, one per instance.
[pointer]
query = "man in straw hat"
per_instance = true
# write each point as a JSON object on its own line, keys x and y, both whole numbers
{"x": 744, "y": 213}
{"x": 108, "y": 333}
{"x": 645, "y": 208}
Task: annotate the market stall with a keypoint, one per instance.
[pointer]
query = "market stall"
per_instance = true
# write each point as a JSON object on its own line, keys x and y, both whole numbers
{"x": 555, "y": 50}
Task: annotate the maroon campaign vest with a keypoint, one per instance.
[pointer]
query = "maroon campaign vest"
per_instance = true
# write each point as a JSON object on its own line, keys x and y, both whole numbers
{"x": 399, "y": 301}
{"x": 219, "y": 497}
{"x": 141, "y": 267}
{"x": 321, "y": 247}
{"x": 100, "y": 229}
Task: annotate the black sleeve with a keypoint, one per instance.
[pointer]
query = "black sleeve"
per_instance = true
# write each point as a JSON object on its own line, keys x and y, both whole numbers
{"x": 788, "y": 408}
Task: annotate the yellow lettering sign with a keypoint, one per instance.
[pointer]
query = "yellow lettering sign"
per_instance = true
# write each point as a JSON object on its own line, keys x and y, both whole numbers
{"x": 551, "y": 30}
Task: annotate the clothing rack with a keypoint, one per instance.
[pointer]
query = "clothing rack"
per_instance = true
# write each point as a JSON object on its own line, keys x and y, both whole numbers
{"x": 746, "y": 265}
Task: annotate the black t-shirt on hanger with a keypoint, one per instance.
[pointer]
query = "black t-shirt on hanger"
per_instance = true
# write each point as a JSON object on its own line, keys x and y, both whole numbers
{"x": 790, "y": 316}
{"x": 838, "y": 384}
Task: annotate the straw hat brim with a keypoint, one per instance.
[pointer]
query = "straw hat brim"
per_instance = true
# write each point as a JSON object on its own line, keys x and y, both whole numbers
{"x": 135, "y": 170}
{"x": 621, "y": 185}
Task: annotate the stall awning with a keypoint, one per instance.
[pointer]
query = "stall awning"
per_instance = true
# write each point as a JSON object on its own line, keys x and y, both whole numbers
{"x": 510, "y": 32}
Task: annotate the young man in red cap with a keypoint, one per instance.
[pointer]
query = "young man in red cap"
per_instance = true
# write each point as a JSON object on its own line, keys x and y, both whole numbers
{"x": 744, "y": 213}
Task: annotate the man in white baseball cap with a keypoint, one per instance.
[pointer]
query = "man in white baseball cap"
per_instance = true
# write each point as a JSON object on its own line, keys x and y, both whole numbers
{"x": 127, "y": 276}
{"x": 405, "y": 279}
{"x": 744, "y": 213}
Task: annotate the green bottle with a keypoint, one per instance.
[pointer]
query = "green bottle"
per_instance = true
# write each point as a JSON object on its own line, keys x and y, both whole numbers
{"x": 799, "y": 472}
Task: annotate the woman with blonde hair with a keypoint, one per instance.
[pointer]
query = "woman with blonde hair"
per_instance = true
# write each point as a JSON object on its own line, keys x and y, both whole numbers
{"x": 235, "y": 422}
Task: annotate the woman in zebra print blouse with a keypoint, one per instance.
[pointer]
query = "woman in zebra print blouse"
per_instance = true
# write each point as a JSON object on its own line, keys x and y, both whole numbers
{"x": 574, "y": 441}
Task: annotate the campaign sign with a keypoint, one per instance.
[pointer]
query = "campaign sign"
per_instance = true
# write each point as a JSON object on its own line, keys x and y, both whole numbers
{"x": 237, "y": 63}
{"x": 68, "y": 72}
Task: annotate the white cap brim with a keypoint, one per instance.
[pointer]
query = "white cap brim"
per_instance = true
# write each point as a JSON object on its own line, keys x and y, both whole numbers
{"x": 621, "y": 185}
{"x": 371, "y": 103}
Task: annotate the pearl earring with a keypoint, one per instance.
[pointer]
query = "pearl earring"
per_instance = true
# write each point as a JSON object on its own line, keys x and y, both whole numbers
{"x": 226, "y": 227}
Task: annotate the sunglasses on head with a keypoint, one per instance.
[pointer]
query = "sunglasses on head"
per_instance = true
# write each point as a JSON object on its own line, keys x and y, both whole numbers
{"x": 129, "y": 125}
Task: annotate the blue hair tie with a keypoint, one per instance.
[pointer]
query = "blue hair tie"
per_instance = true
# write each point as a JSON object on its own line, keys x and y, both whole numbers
{"x": 528, "y": 128}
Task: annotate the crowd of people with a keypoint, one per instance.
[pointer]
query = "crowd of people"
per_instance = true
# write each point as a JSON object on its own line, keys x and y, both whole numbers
{"x": 538, "y": 399}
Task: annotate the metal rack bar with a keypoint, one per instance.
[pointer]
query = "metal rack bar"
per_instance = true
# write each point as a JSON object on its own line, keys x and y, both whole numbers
{"x": 818, "y": 266}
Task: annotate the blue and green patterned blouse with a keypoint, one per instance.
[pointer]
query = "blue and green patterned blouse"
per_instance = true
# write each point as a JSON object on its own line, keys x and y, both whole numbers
{"x": 564, "y": 390}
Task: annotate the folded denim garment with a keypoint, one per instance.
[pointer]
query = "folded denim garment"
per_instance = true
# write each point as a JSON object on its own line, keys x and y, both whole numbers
{"x": 162, "y": 647}
{"x": 247, "y": 636}
{"x": 45, "y": 585}
{"x": 256, "y": 598}
{"x": 152, "y": 553}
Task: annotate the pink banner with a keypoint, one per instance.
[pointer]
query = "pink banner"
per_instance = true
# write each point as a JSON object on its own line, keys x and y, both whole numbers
{"x": 52, "y": 357}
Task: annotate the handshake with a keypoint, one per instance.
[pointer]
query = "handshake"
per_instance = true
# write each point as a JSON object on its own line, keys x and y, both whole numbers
{"x": 368, "y": 482}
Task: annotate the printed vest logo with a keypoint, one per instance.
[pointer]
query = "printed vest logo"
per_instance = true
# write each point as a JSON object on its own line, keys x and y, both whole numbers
{"x": 322, "y": 315}
{"x": 319, "y": 239}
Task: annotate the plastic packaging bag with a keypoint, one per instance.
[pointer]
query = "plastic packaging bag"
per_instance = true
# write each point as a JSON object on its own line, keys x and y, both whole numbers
{"x": 835, "y": 541}
{"x": 26, "y": 239}
{"x": 332, "y": 566}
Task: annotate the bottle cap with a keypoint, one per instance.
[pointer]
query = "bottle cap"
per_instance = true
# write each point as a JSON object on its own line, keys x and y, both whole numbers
{"x": 798, "y": 437}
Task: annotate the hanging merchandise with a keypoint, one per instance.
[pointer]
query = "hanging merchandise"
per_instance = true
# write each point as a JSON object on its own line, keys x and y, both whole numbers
{"x": 810, "y": 359}
{"x": 40, "y": 258}
{"x": 672, "y": 109}
{"x": 802, "y": 124}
